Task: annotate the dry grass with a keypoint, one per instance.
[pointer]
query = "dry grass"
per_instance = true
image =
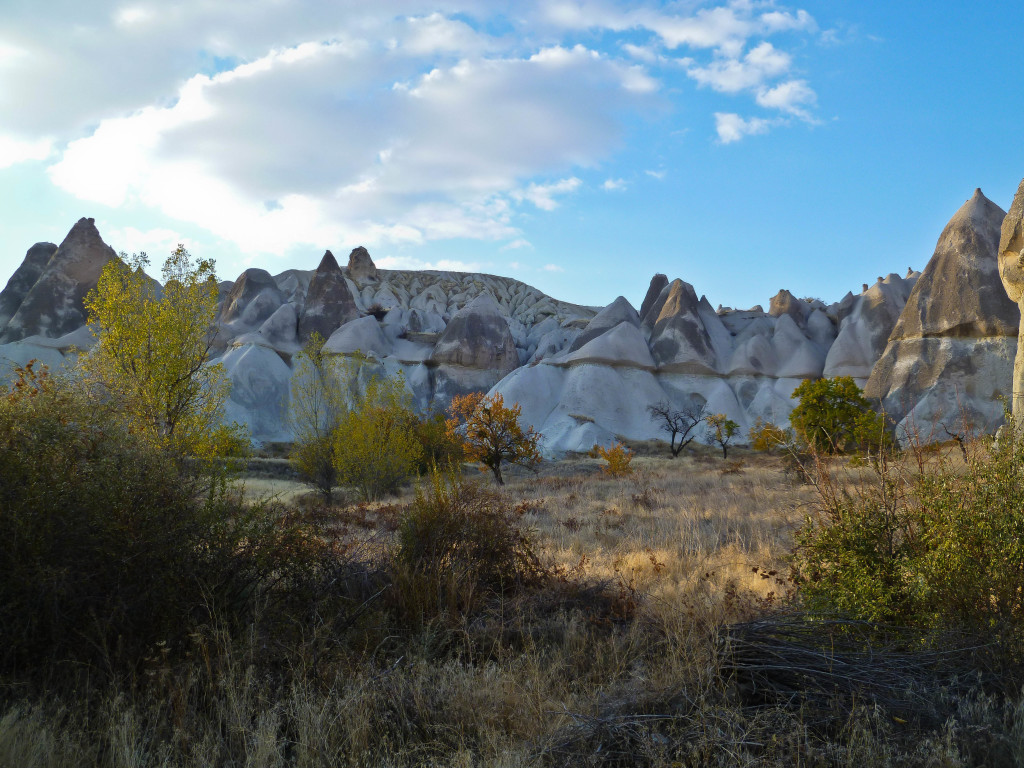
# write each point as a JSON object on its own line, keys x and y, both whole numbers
{"x": 618, "y": 662}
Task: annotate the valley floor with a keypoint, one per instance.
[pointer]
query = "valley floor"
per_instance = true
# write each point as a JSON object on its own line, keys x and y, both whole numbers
{"x": 622, "y": 657}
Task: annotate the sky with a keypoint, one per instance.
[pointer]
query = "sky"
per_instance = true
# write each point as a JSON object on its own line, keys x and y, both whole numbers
{"x": 580, "y": 146}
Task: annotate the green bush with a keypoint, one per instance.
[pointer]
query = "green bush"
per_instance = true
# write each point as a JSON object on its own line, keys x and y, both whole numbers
{"x": 375, "y": 445}
{"x": 931, "y": 544}
{"x": 458, "y": 543}
{"x": 833, "y": 416}
{"x": 106, "y": 547}
{"x": 440, "y": 447}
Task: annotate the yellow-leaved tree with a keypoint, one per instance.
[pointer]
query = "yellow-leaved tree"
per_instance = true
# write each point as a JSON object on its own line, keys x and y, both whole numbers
{"x": 318, "y": 407}
{"x": 153, "y": 348}
{"x": 375, "y": 444}
{"x": 491, "y": 433}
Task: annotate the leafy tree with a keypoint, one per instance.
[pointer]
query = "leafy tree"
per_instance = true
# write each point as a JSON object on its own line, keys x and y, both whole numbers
{"x": 375, "y": 444}
{"x": 680, "y": 423}
{"x": 766, "y": 435}
{"x": 722, "y": 429}
{"x": 833, "y": 416}
{"x": 153, "y": 349}
{"x": 492, "y": 434}
{"x": 316, "y": 411}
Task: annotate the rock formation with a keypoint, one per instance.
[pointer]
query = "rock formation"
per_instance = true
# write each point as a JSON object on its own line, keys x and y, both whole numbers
{"x": 1011, "y": 271}
{"x": 328, "y": 301}
{"x": 949, "y": 357}
{"x": 360, "y": 266}
{"x": 53, "y": 306}
{"x": 928, "y": 345}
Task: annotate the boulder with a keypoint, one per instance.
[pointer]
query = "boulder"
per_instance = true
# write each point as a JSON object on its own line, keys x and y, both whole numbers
{"x": 949, "y": 357}
{"x": 54, "y": 305}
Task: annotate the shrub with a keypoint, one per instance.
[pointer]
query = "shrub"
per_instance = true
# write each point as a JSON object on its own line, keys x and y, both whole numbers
{"x": 766, "y": 436}
{"x": 833, "y": 416}
{"x": 439, "y": 446}
{"x": 107, "y": 548}
{"x": 618, "y": 458}
{"x": 939, "y": 547}
{"x": 459, "y": 543}
{"x": 375, "y": 445}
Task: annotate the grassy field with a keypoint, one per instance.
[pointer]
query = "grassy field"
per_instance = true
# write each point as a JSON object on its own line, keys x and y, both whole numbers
{"x": 622, "y": 655}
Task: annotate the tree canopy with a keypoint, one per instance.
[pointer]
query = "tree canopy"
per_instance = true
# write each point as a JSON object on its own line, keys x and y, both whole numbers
{"x": 153, "y": 348}
{"x": 492, "y": 434}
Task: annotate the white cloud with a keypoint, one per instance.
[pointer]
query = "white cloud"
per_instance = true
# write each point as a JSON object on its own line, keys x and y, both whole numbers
{"x": 731, "y": 75}
{"x": 731, "y": 127}
{"x": 552, "y": 268}
{"x": 543, "y": 195}
{"x": 656, "y": 174}
{"x": 410, "y": 262}
{"x": 157, "y": 243}
{"x": 14, "y": 150}
{"x": 517, "y": 244}
{"x": 387, "y": 124}
{"x": 791, "y": 96}
{"x": 611, "y": 185}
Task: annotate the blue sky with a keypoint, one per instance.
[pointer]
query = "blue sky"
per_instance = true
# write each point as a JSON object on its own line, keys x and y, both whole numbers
{"x": 577, "y": 145}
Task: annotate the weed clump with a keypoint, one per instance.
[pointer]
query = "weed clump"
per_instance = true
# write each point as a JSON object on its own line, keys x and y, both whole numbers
{"x": 457, "y": 545}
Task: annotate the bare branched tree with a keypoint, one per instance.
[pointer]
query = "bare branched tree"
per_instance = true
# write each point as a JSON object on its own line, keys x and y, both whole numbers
{"x": 680, "y": 423}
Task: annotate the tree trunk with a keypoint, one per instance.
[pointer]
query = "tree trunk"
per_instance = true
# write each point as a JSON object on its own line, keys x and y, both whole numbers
{"x": 496, "y": 469}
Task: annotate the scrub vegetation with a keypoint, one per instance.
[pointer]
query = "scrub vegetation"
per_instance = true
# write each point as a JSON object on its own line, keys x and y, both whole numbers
{"x": 625, "y": 608}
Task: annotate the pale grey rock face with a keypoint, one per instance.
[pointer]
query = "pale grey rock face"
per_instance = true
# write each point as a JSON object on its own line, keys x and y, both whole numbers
{"x": 868, "y": 321}
{"x": 679, "y": 340}
{"x": 23, "y": 279}
{"x": 360, "y": 266}
{"x": 329, "y": 302}
{"x": 360, "y": 335}
{"x": 54, "y": 306}
{"x": 253, "y": 298}
{"x": 619, "y": 311}
{"x": 958, "y": 330}
{"x": 785, "y": 303}
{"x": 260, "y": 383}
{"x": 478, "y": 337}
{"x": 1011, "y": 272}
{"x": 658, "y": 284}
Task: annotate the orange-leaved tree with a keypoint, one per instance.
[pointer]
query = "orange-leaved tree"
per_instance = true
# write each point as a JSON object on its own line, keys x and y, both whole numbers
{"x": 491, "y": 433}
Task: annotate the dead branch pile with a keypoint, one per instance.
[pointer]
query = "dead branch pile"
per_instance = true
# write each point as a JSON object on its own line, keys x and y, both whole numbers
{"x": 831, "y": 665}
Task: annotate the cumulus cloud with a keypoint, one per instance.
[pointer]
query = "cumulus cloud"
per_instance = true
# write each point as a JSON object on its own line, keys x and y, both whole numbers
{"x": 284, "y": 124}
{"x": 552, "y": 268}
{"x": 792, "y": 96}
{"x": 731, "y": 75}
{"x": 611, "y": 185}
{"x": 731, "y": 127}
{"x": 543, "y": 195}
{"x": 13, "y": 150}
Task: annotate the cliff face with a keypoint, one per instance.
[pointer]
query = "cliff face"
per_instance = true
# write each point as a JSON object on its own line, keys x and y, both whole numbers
{"x": 928, "y": 345}
{"x": 949, "y": 358}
